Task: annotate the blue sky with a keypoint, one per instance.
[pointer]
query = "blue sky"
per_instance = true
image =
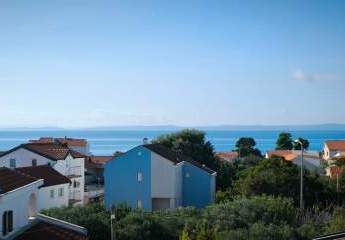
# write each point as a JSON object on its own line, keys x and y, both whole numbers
{"x": 76, "y": 63}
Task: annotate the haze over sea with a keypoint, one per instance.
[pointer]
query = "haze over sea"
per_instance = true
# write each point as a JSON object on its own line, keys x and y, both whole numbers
{"x": 104, "y": 142}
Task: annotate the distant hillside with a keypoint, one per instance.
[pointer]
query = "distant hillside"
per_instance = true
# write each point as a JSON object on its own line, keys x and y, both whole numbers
{"x": 320, "y": 127}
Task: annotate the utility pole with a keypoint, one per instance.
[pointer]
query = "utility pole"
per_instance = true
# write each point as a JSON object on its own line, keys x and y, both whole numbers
{"x": 301, "y": 202}
{"x": 112, "y": 217}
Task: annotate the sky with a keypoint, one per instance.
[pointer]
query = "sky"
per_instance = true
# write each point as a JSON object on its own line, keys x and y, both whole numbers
{"x": 71, "y": 63}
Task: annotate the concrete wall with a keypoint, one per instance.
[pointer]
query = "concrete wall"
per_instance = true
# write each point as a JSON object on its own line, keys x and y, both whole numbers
{"x": 197, "y": 186}
{"x": 18, "y": 201}
{"x": 163, "y": 177}
{"x": 121, "y": 179}
{"x": 45, "y": 201}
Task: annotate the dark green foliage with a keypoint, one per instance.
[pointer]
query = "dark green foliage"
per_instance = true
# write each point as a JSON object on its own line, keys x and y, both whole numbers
{"x": 337, "y": 222}
{"x": 305, "y": 143}
{"x": 284, "y": 141}
{"x": 278, "y": 177}
{"x": 245, "y": 146}
{"x": 192, "y": 143}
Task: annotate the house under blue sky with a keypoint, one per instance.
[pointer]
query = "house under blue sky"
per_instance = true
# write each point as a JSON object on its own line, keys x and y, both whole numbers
{"x": 153, "y": 177}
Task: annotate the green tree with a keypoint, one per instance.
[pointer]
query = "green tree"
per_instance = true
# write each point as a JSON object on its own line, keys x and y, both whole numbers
{"x": 191, "y": 143}
{"x": 284, "y": 141}
{"x": 93, "y": 217}
{"x": 297, "y": 145}
{"x": 337, "y": 222}
{"x": 278, "y": 177}
{"x": 245, "y": 146}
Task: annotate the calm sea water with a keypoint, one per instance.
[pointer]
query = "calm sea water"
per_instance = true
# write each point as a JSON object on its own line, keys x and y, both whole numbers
{"x": 107, "y": 142}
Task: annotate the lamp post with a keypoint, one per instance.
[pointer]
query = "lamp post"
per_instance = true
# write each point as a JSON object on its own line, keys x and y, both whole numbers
{"x": 112, "y": 217}
{"x": 301, "y": 203}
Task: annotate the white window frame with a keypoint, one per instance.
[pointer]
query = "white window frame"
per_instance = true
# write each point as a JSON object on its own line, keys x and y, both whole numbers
{"x": 139, "y": 204}
{"x": 140, "y": 177}
{"x": 52, "y": 193}
{"x": 61, "y": 192}
{"x": 13, "y": 163}
{"x": 34, "y": 160}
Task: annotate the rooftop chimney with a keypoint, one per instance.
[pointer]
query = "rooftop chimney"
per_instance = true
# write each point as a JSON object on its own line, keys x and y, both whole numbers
{"x": 145, "y": 141}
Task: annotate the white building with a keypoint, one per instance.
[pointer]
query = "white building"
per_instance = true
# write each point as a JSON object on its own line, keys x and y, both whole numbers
{"x": 64, "y": 160}
{"x": 55, "y": 190}
{"x": 19, "y": 195}
{"x": 311, "y": 159}
{"x": 333, "y": 148}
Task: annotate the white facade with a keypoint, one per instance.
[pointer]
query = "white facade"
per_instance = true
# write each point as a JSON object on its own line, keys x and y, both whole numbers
{"x": 23, "y": 203}
{"x": 24, "y": 158}
{"x": 70, "y": 167}
{"x": 53, "y": 196}
{"x": 163, "y": 182}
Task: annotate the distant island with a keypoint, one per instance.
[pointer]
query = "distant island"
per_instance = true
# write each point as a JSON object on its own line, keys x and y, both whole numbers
{"x": 312, "y": 127}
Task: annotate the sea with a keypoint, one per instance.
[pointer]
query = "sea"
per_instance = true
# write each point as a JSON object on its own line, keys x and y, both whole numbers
{"x": 106, "y": 142}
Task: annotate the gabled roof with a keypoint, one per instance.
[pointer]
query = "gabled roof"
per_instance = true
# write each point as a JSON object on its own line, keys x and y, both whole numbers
{"x": 53, "y": 151}
{"x": 12, "y": 179}
{"x": 50, "y": 176}
{"x": 336, "y": 145}
{"x": 52, "y": 229}
{"x": 174, "y": 157}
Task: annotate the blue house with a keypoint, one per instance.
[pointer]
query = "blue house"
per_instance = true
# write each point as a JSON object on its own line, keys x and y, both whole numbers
{"x": 153, "y": 177}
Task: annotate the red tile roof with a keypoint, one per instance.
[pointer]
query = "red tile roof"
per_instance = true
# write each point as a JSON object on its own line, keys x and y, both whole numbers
{"x": 50, "y": 176}
{"x": 53, "y": 151}
{"x": 12, "y": 179}
{"x": 286, "y": 154}
{"x": 100, "y": 159}
{"x": 48, "y": 231}
{"x": 227, "y": 156}
{"x": 72, "y": 142}
{"x": 336, "y": 145}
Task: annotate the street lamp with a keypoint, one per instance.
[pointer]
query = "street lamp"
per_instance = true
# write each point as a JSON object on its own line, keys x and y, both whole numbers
{"x": 301, "y": 205}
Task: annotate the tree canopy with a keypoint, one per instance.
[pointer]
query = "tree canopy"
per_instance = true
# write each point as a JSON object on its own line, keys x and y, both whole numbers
{"x": 245, "y": 146}
{"x": 297, "y": 145}
{"x": 192, "y": 143}
{"x": 284, "y": 141}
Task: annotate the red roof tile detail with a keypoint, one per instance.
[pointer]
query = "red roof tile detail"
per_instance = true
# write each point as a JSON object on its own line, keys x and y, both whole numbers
{"x": 12, "y": 179}
{"x": 50, "y": 176}
{"x": 336, "y": 145}
{"x": 286, "y": 154}
{"x": 45, "y": 230}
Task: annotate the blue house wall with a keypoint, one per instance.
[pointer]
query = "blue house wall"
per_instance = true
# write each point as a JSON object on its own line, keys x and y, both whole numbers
{"x": 121, "y": 183}
{"x": 196, "y": 186}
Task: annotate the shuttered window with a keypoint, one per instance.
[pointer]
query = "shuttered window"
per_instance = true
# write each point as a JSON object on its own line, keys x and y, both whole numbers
{"x": 7, "y": 222}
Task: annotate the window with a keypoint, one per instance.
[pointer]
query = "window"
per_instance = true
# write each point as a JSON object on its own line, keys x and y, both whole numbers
{"x": 52, "y": 193}
{"x": 139, "y": 204}
{"x": 76, "y": 184}
{"x": 13, "y": 163}
{"x": 7, "y": 222}
{"x": 140, "y": 176}
{"x": 34, "y": 162}
{"x": 61, "y": 192}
